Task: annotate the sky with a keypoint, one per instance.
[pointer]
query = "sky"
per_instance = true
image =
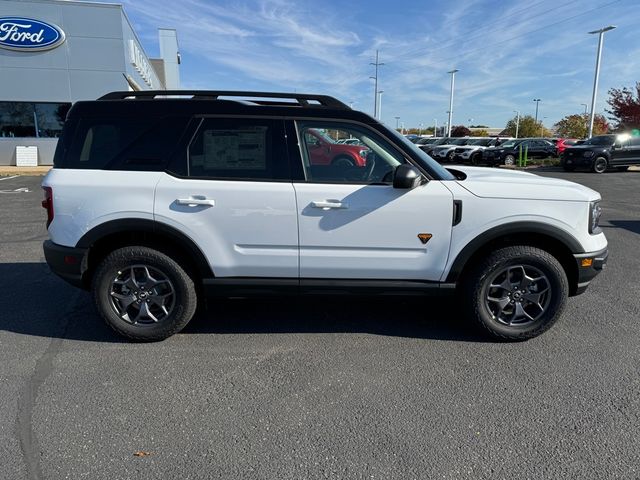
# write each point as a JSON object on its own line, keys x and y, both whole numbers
{"x": 508, "y": 52}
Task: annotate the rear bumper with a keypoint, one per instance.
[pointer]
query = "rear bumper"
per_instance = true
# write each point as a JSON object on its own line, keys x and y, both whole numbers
{"x": 586, "y": 271}
{"x": 66, "y": 262}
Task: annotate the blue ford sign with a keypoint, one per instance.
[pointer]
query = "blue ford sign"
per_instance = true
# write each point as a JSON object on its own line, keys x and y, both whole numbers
{"x": 27, "y": 34}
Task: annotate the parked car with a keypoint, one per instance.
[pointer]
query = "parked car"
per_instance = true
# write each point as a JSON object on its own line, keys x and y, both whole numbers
{"x": 429, "y": 147}
{"x": 472, "y": 152}
{"x": 444, "y": 153}
{"x": 603, "y": 152}
{"x": 427, "y": 140}
{"x": 563, "y": 143}
{"x": 154, "y": 203}
{"x": 323, "y": 150}
{"x": 509, "y": 152}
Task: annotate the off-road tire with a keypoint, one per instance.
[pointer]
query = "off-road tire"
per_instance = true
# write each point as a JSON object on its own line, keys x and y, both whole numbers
{"x": 475, "y": 289}
{"x": 184, "y": 303}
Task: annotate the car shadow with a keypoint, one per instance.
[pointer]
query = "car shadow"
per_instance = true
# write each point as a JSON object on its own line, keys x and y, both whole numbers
{"x": 41, "y": 304}
{"x": 631, "y": 225}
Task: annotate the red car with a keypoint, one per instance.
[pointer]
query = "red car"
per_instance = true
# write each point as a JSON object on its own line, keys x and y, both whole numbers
{"x": 563, "y": 143}
{"x": 323, "y": 150}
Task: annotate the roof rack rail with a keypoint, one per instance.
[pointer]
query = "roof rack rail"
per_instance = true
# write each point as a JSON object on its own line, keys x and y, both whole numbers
{"x": 303, "y": 100}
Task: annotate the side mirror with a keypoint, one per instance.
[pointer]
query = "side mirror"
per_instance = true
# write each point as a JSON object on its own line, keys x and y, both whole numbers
{"x": 406, "y": 176}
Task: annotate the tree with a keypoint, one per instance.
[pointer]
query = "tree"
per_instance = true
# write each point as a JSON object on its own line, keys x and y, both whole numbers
{"x": 624, "y": 108}
{"x": 478, "y": 126}
{"x": 528, "y": 128}
{"x": 480, "y": 133}
{"x": 460, "y": 131}
{"x": 577, "y": 126}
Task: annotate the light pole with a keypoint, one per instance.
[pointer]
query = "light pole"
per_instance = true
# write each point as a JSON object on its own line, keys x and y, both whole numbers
{"x": 375, "y": 87}
{"x": 380, "y": 92}
{"x": 420, "y": 129}
{"x": 453, "y": 76}
{"x": 435, "y": 127}
{"x": 595, "y": 79}
{"x": 397, "y": 122}
{"x": 537, "y": 100}
{"x": 517, "y": 121}
{"x": 585, "y": 107}
{"x": 402, "y": 127}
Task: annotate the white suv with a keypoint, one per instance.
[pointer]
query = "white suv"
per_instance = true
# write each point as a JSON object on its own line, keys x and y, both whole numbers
{"x": 155, "y": 201}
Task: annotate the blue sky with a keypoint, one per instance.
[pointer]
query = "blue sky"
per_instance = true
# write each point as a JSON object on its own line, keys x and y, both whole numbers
{"x": 508, "y": 52}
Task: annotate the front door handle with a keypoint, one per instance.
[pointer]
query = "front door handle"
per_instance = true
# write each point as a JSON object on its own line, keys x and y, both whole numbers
{"x": 196, "y": 201}
{"x": 327, "y": 205}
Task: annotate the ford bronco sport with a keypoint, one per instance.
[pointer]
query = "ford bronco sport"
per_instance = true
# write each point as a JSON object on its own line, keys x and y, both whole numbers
{"x": 160, "y": 198}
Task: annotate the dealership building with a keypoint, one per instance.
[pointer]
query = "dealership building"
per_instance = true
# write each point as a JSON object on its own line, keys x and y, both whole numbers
{"x": 56, "y": 52}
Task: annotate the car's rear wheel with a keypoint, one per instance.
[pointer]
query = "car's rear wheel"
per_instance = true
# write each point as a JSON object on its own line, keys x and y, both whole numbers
{"x": 476, "y": 158}
{"x": 510, "y": 160}
{"x": 599, "y": 165}
{"x": 517, "y": 292}
{"x": 143, "y": 294}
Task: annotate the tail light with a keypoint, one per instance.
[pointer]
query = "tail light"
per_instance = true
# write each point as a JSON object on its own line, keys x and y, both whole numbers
{"x": 47, "y": 204}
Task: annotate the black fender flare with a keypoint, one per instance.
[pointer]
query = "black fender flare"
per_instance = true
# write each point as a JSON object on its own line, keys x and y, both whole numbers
{"x": 141, "y": 225}
{"x": 520, "y": 228}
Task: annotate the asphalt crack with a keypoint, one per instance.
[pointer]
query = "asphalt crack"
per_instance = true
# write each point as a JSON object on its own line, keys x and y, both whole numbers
{"x": 28, "y": 397}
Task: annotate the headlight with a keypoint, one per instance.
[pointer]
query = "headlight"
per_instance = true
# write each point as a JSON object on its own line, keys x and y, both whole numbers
{"x": 587, "y": 154}
{"x": 363, "y": 153}
{"x": 594, "y": 217}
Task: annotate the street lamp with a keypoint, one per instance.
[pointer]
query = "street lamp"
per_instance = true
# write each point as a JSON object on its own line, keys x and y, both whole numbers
{"x": 420, "y": 129}
{"x": 537, "y": 100}
{"x": 435, "y": 127}
{"x": 595, "y": 79}
{"x": 542, "y": 126}
{"x": 585, "y": 107}
{"x": 380, "y": 92}
{"x": 397, "y": 122}
{"x": 517, "y": 121}
{"x": 453, "y": 76}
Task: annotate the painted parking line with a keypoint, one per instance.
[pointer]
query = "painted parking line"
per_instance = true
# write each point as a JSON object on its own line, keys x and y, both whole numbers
{"x": 9, "y": 178}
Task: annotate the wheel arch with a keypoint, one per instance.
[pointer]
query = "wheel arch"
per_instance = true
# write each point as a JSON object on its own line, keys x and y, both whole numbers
{"x": 559, "y": 243}
{"x": 108, "y": 236}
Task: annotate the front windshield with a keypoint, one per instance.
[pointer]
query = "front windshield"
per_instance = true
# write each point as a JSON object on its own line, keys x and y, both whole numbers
{"x": 600, "y": 140}
{"x": 427, "y": 162}
{"x": 482, "y": 142}
{"x": 441, "y": 141}
{"x": 460, "y": 141}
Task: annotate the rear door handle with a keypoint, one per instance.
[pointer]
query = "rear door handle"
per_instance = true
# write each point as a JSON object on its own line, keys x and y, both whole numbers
{"x": 196, "y": 201}
{"x": 327, "y": 205}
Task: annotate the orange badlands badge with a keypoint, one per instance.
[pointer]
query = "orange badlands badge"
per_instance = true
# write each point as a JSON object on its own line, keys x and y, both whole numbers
{"x": 424, "y": 237}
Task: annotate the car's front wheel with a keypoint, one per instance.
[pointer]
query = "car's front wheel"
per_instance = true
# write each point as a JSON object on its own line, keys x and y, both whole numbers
{"x": 599, "y": 165}
{"x": 143, "y": 294}
{"x": 516, "y": 292}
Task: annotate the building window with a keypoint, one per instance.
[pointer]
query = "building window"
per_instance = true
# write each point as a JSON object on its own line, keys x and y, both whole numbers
{"x": 29, "y": 119}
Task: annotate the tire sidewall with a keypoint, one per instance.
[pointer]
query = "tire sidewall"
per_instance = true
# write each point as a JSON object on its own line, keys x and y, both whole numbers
{"x": 185, "y": 298}
{"x": 509, "y": 160}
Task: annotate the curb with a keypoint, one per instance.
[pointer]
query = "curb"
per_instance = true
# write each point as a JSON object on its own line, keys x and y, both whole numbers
{"x": 41, "y": 170}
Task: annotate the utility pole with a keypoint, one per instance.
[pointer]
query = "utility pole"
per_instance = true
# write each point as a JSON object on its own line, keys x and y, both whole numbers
{"x": 453, "y": 76}
{"x": 375, "y": 89}
{"x": 595, "y": 80}
{"x": 397, "y": 122}
{"x": 380, "y": 92}
{"x": 517, "y": 121}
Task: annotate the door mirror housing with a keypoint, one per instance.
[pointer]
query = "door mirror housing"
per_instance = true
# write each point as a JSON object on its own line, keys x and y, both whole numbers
{"x": 406, "y": 176}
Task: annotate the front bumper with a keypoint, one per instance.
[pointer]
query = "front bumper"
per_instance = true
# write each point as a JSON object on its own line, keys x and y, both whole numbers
{"x": 67, "y": 262}
{"x": 589, "y": 266}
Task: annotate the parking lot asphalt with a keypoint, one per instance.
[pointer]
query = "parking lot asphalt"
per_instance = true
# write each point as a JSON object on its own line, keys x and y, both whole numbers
{"x": 317, "y": 388}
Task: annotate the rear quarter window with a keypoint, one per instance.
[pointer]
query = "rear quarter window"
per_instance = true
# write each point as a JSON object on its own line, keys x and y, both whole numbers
{"x": 122, "y": 144}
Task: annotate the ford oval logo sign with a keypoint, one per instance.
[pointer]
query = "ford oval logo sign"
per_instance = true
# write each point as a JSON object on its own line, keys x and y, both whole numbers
{"x": 27, "y": 34}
